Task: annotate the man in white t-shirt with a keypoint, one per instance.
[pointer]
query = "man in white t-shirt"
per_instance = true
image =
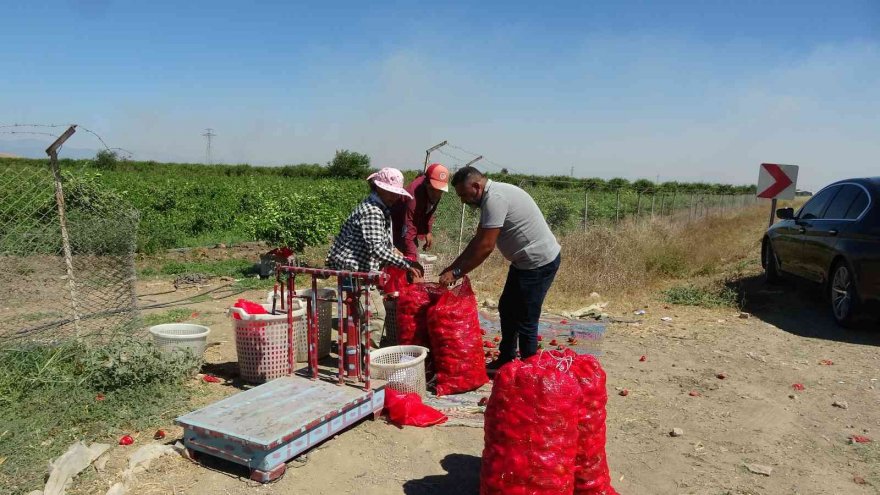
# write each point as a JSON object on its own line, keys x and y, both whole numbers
{"x": 509, "y": 219}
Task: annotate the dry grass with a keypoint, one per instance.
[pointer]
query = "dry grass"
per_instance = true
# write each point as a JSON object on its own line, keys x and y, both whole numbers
{"x": 631, "y": 260}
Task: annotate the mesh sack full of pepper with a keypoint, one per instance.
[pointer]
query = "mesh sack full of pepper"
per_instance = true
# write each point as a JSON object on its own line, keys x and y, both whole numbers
{"x": 531, "y": 428}
{"x": 591, "y": 464}
{"x": 394, "y": 280}
{"x": 412, "y": 312}
{"x": 456, "y": 341}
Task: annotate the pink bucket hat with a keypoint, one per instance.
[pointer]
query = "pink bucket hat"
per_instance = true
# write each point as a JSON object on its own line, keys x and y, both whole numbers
{"x": 391, "y": 180}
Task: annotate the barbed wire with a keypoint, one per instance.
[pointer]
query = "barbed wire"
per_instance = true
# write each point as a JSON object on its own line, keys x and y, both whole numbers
{"x": 34, "y": 125}
{"x": 35, "y": 133}
{"x": 79, "y": 126}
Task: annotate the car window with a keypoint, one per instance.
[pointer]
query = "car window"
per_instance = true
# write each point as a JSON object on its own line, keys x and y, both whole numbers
{"x": 815, "y": 206}
{"x": 841, "y": 203}
{"x": 858, "y": 205}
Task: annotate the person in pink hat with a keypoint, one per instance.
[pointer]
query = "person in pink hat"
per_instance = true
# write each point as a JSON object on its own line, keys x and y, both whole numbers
{"x": 413, "y": 219}
{"x": 364, "y": 243}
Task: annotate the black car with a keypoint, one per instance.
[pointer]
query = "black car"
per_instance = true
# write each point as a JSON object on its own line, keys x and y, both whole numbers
{"x": 833, "y": 240}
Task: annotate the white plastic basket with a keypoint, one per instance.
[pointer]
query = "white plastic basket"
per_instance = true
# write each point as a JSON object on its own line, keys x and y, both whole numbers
{"x": 171, "y": 337}
{"x": 261, "y": 342}
{"x": 402, "y": 366}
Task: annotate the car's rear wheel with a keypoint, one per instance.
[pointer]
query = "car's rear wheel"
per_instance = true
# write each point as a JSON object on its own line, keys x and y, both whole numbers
{"x": 771, "y": 263}
{"x": 843, "y": 296}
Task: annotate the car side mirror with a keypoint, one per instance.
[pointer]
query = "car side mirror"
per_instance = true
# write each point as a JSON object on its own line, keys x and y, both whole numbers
{"x": 785, "y": 213}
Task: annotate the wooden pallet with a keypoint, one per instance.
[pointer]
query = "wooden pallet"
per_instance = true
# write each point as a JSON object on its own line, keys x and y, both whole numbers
{"x": 266, "y": 426}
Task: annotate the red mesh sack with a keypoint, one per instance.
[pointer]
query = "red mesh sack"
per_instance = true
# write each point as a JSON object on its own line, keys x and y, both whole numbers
{"x": 394, "y": 281}
{"x": 591, "y": 464}
{"x": 456, "y": 341}
{"x": 408, "y": 409}
{"x": 412, "y": 312}
{"x": 531, "y": 428}
{"x": 249, "y": 307}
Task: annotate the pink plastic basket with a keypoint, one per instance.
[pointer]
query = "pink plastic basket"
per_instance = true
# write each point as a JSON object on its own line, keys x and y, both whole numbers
{"x": 261, "y": 342}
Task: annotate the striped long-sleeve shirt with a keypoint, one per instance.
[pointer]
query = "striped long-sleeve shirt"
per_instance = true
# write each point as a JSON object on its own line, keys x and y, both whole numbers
{"x": 364, "y": 242}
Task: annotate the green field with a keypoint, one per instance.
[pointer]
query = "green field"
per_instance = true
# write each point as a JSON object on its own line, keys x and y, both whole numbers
{"x": 187, "y": 205}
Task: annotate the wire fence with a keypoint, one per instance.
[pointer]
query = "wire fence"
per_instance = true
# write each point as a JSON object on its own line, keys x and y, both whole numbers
{"x": 569, "y": 210}
{"x": 67, "y": 251}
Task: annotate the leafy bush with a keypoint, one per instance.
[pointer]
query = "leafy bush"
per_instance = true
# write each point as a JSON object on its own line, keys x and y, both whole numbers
{"x": 349, "y": 164}
{"x": 558, "y": 213}
{"x": 294, "y": 221}
{"x": 135, "y": 363}
{"x": 106, "y": 160}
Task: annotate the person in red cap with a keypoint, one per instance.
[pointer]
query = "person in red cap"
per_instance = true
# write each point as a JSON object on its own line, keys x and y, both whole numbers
{"x": 413, "y": 219}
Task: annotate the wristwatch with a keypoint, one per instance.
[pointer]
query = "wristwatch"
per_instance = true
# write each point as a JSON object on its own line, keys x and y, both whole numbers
{"x": 456, "y": 272}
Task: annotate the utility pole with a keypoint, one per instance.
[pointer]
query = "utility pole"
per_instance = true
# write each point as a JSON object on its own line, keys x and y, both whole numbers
{"x": 428, "y": 153}
{"x": 209, "y": 133}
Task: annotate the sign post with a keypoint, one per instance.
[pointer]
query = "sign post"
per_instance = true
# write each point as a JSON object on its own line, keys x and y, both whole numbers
{"x": 776, "y": 182}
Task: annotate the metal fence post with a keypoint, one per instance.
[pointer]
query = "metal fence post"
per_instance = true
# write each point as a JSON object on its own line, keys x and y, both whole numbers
{"x": 52, "y": 151}
{"x": 662, "y": 204}
{"x": 617, "y": 209}
{"x": 672, "y": 208}
{"x": 653, "y": 199}
{"x": 639, "y": 205}
{"x": 586, "y": 208}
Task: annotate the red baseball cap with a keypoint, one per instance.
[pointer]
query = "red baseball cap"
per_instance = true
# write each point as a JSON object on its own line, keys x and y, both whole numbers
{"x": 438, "y": 176}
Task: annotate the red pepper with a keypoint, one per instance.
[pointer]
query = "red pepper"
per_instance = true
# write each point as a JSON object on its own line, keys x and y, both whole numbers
{"x": 564, "y": 322}
{"x": 540, "y": 338}
{"x": 159, "y": 435}
{"x": 100, "y": 397}
{"x": 211, "y": 379}
{"x": 643, "y": 359}
{"x": 721, "y": 376}
{"x": 126, "y": 440}
{"x": 826, "y": 362}
{"x": 798, "y": 386}
{"x": 624, "y": 393}
{"x": 860, "y": 439}
{"x": 490, "y": 345}
{"x": 497, "y": 339}
{"x": 553, "y": 342}
{"x": 483, "y": 401}
{"x": 694, "y": 393}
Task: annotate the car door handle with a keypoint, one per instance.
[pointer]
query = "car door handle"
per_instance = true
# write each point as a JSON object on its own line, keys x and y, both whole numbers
{"x": 832, "y": 232}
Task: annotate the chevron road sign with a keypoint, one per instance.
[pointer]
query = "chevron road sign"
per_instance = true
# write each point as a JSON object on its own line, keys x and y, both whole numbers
{"x": 777, "y": 181}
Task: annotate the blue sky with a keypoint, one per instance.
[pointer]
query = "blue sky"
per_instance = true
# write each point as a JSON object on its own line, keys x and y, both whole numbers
{"x": 688, "y": 90}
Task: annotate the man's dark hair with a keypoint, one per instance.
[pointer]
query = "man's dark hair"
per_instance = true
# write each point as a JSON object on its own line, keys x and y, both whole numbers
{"x": 464, "y": 174}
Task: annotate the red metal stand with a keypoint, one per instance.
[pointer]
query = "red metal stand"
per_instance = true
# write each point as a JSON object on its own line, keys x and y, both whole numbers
{"x": 353, "y": 329}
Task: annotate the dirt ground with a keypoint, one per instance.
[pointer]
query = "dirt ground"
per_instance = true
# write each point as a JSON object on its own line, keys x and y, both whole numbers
{"x": 752, "y": 416}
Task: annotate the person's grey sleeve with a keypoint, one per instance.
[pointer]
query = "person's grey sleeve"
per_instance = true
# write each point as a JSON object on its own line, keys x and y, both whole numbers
{"x": 493, "y": 213}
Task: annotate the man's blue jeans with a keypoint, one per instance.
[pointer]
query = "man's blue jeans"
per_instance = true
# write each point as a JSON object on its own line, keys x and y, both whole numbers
{"x": 520, "y": 308}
